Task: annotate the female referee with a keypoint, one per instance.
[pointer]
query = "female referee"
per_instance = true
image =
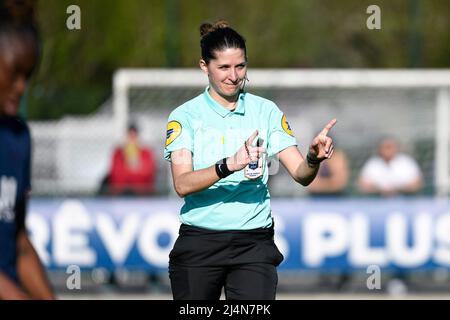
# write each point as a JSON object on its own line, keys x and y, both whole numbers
{"x": 217, "y": 144}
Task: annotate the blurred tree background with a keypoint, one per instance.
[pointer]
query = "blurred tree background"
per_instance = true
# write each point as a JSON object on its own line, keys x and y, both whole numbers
{"x": 77, "y": 66}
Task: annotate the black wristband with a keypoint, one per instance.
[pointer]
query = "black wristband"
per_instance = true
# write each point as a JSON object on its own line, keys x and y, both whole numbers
{"x": 222, "y": 169}
{"x": 312, "y": 162}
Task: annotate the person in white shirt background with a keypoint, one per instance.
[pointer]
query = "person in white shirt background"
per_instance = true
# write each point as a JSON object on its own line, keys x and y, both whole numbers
{"x": 391, "y": 172}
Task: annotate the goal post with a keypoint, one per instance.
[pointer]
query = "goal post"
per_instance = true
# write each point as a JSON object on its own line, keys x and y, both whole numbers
{"x": 414, "y": 104}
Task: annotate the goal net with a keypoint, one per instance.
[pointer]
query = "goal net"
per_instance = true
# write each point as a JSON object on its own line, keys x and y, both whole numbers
{"x": 410, "y": 105}
{"x": 72, "y": 155}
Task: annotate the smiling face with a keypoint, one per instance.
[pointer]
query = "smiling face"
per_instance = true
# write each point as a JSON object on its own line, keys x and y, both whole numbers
{"x": 17, "y": 62}
{"x": 226, "y": 73}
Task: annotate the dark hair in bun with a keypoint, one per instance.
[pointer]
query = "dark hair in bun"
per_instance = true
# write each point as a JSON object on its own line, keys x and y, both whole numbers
{"x": 217, "y": 37}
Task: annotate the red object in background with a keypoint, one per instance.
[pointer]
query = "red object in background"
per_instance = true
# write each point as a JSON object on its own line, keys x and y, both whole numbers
{"x": 126, "y": 180}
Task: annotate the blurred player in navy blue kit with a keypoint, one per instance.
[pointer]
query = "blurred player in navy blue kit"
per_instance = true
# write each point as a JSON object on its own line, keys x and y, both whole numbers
{"x": 22, "y": 275}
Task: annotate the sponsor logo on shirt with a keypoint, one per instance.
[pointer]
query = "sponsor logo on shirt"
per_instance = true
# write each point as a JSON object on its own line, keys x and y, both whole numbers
{"x": 173, "y": 131}
{"x": 8, "y": 192}
{"x": 286, "y": 127}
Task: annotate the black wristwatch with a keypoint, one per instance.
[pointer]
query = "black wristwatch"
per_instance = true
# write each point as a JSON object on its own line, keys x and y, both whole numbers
{"x": 312, "y": 163}
{"x": 222, "y": 168}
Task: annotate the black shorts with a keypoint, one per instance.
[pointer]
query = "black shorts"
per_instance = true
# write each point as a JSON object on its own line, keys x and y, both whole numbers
{"x": 243, "y": 262}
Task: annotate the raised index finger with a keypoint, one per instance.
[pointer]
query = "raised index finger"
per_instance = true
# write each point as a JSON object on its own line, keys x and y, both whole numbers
{"x": 252, "y": 138}
{"x": 328, "y": 127}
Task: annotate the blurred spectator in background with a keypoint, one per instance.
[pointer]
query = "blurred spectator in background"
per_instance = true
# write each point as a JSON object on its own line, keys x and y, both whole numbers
{"x": 133, "y": 168}
{"x": 22, "y": 275}
{"x": 391, "y": 172}
{"x": 332, "y": 177}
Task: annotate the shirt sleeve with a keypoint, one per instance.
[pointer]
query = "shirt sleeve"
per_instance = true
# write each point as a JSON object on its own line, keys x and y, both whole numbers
{"x": 179, "y": 134}
{"x": 411, "y": 168}
{"x": 367, "y": 169}
{"x": 280, "y": 133}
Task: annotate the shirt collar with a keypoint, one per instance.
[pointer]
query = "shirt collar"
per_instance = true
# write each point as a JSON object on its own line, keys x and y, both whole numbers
{"x": 221, "y": 110}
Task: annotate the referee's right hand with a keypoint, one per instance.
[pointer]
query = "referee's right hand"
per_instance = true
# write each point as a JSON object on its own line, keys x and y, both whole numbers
{"x": 246, "y": 154}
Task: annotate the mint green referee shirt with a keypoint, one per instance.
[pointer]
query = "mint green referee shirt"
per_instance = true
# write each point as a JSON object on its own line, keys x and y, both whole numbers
{"x": 211, "y": 132}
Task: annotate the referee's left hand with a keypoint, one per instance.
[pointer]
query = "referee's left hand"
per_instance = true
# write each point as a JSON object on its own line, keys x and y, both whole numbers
{"x": 322, "y": 146}
{"x": 245, "y": 154}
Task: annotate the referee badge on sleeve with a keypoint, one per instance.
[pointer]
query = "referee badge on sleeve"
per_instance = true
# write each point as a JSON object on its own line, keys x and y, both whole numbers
{"x": 173, "y": 131}
{"x": 286, "y": 127}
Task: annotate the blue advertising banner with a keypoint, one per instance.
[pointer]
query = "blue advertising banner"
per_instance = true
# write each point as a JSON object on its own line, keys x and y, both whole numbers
{"x": 322, "y": 234}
